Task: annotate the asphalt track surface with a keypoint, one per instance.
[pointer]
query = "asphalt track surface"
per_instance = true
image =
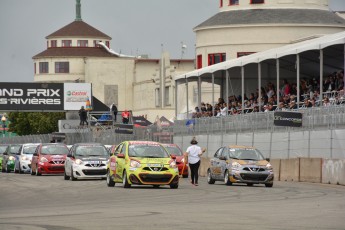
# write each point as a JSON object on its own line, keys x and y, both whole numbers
{"x": 48, "y": 202}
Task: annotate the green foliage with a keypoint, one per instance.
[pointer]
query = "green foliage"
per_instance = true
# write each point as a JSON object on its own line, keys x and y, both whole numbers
{"x": 34, "y": 123}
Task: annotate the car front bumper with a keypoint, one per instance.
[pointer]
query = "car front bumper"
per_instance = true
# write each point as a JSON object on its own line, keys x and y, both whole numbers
{"x": 83, "y": 171}
{"x": 242, "y": 176}
{"x": 144, "y": 177}
{"x": 25, "y": 166}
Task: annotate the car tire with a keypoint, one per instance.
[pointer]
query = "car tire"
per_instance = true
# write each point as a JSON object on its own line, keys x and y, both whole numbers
{"x": 156, "y": 186}
{"x": 7, "y": 169}
{"x": 269, "y": 185}
{"x": 15, "y": 170}
{"x": 110, "y": 182}
{"x": 226, "y": 178}
{"x": 125, "y": 180}
{"x": 210, "y": 180}
{"x": 65, "y": 177}
{"x": 20, "y": 170}
{"x": 174, "y": 186}
{"x": 73, "y": 178}
{"x": 250, "y": 184}
{"x": 37, "y": 172}
{"x": 3, "y": 170}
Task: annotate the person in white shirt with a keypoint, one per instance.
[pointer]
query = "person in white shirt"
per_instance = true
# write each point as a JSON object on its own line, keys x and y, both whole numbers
{"x": 193, "y": 154}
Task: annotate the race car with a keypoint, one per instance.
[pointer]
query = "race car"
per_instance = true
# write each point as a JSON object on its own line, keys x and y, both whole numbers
{"x": 174, "y": 149}
{"x": 22, "y": 162}
{"x": 240, "y": 164}
{"x": 8, "y": 158}
{"x": 3, "y": 149}
{"x": 86, "y": 160}
{"x": 142, "y": 163}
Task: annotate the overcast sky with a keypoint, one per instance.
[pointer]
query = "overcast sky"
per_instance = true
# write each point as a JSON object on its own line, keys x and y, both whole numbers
{"x": 136, "y": 27}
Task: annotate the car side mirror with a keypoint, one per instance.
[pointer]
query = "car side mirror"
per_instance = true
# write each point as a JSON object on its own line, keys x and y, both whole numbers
{"x": 173, "y": 156}
{"x": 222, "y": 158}
{"x": 268, "y": 159}
{"x": 120, "y": 155}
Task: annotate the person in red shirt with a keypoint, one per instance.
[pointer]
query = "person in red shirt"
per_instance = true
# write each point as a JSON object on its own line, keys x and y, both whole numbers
{"x": 125, "y": 117}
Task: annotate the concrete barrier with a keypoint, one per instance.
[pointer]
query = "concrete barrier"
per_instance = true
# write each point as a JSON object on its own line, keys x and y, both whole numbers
{"x": 333, "y": 171}
{"x": 310, "y": 170}
{"x": 289, "y": 169}
{"x": 204, "y": 165}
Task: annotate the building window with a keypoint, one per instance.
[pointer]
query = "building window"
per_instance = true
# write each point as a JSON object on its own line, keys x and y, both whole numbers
{"x": 257, "y": 1}
{"x": 233, "y": 2}
{"x": 66, "y": 43}
{"x": 107, "y": 44}
{"x": 61, "y": 67}
{"x": 166, "y": 96}
{"x": 220, "y": 3}
{"x": 199, "y": 62}
{"x": 44, "y": 67}
{"x": 82, "y": 43}
{"x": 95, "y": 43}
{"x": 240, "y": 54}
{"x": 53, "y": 43}
{"x": 216, "y": 58}
{"x": 157, "y": 98}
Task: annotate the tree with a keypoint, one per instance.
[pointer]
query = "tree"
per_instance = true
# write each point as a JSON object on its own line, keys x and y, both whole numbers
{"x": 25, "y": 123}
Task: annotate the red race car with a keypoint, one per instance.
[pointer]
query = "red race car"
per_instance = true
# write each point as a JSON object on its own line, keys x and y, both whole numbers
{"x": 49, "y": 158}
{"x": 174, "y": 149}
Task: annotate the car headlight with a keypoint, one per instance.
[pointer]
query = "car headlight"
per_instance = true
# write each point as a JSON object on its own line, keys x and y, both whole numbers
{"x": 269, "y": 166}
{"x": 135, "y": 164}
{"x": 24, "y": 158}
{"x": 235, "y": 165}
{"x": 172, "y": 164}
{"x": 78, "y": 161}
{"x": 43, "y": 159}
{"x": 11, "y": 158}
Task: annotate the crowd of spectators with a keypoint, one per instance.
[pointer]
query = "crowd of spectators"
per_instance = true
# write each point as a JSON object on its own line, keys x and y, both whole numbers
{"x": 333, "y": 93}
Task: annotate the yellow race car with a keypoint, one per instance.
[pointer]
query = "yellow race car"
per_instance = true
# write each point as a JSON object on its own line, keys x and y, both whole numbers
{"x": 142, "y": 163}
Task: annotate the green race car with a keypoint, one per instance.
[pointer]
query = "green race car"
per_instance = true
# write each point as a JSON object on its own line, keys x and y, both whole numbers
{"x": 142, "y": 163}
{"x": 8, "y": 157}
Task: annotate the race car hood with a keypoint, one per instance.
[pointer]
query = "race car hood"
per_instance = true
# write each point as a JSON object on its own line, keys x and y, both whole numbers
{"x": 152, "y": 160}
{"x": 54, "y": 157}
{"x": 92, "y": 158}
{"x": 251, "y": 162}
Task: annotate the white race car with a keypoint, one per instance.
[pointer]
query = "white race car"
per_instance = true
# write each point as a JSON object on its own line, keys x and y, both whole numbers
{"x": 86, "y": 160}
{"x": 23, "y": 158}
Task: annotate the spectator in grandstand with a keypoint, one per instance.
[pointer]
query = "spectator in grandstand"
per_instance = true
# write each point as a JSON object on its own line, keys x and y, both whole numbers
{"x": 280, "y": 107}
{"x": 326, "y": 102}
{"x": 293, "y": 105}
{"x": 286, "y": 88}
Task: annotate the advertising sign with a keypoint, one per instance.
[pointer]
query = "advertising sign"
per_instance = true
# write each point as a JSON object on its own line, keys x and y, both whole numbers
{"x": 292, "y": 119}
{"x": 124, "y": 128}
{"x": 24, "y": 96}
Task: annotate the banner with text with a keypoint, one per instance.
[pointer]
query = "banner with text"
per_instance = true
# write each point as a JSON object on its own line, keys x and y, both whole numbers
{"x": 292, "y": 119}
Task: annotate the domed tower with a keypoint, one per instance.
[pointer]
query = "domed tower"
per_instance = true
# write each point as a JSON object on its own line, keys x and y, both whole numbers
{"x": 243, "y": 27}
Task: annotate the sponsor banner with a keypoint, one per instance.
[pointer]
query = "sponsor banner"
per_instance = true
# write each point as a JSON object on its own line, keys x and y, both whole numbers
{"x": 123, "y": 128}
{"x": 31, "y": 96}
{"x": 292, "y": 119}
{"x": 77, "y": 95}
{"x": 71, "y": 126}
{"x": 25, "y": 96}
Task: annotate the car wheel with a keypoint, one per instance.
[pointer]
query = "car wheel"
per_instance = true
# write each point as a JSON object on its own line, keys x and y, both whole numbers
{"x": 3, "y": 170}
{"x": 7, "y": 169}
{"x": 15, "y": 170}
{"x": 110, "y": 182}
{"x": 210, "y": 180}
{"x": 20, "y": 170}
{"x": 226, "y": 178}
{"x": 270, "y": 185}
{"x": 174, "y": 186}
{"x": 250, "y": 184}
{"x": 65, "y": 177}
{"x": 125, "y": 181}
{"x": 37, "y": 172}
{"x": 72, "y": 175}
{"x": 156, "y": 186}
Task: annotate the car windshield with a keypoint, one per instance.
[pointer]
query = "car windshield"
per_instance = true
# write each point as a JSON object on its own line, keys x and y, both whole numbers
{"x": 14, "y": 149}
{"x": 89, "y": 150}
{"x": 54, "y": 149}
{"x": 3, "y": 149}
{"x": 174, "y": 150}
{"x": 245, "y": 154}
{"x": 29, "y": 149}
{"x": 148, "y": 151}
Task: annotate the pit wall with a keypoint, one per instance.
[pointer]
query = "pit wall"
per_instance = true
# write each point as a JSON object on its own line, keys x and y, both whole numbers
{"x": 314, "y": 170}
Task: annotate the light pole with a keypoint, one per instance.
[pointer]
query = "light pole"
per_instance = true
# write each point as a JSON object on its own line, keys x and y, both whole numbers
{"x": 3, "y": 119}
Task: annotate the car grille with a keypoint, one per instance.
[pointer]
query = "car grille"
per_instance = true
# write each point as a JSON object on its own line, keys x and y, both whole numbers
{"x": 155, "y": 178}
{"x": 57, "y": 162}
{"x": 254, "y": 177}
{"x": 155, "y": 169}
{"x": 253, "y": 169}
{"x": 94, "y": 172}
{"x": 56, "y": 168}
{"x": 95, "y": 165}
